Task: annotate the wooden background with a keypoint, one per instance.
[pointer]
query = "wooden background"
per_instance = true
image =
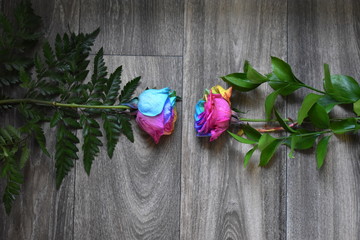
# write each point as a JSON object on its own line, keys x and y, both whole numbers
{"x": 185, "y": 187}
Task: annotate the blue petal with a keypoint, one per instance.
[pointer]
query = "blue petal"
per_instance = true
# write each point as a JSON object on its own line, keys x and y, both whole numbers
{"x": 199, "y": 108}
{"x": 152, "y": 101}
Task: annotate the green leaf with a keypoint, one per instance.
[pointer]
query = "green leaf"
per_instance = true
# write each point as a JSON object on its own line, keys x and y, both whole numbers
{"x": 328, "y": 87}
{"x": 14, "y": 178}
{"x": 254, "y": 76}
{"x": 268, "y": 152}
{"x": 319, "y": 117}
{"x": 25, "y": 79}
{"x": 55, "y": 119}
{"x": 239, "y": 82}
{"x": 49, "y": 54}
{"x": 344, "y": 89}
{"x": 98, "y": 79}
{"x": 129, "y": 90}
{"x": 306, "y": 105}
{"x": 321, "y": 150}
{"x": 343, "y": 126}
{"x": 14, "y": 132}
{"x": 282, "y": 70}
{"x": 241, "y": 139}
{"x": 357, "y": 107}
{"x": 251, "y": 133}
{"x": 269, "y": 104}
{"x": 265, "y": 140}
{"x": 25, "y": 155}
{"x": 293, "y": 141}
{"x": 289, "y": 88}
{"x": 126, "y": 128}
{"x": 248, "y": 156}
{"x": 71, "y": 123}
{"x": 328, "y": 102}
{"x": 302, "y": 140}
{"x": 40, "y": 138}
{"x": 112, "y": 129}
{"x": 282, "y": 123}
{"x": 91, "y": 143}
{"x": 65, "y": 152}
{"x": 113, "y": 87}
{"x": 246, "y": 66}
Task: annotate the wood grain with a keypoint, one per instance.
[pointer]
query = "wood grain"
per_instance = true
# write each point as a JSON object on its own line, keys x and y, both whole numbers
{"x": 135, "y": 195}
{"x": 41, "y": 212}
{"x": 324, "y": 204}
{"x": 220, "y": 199}
{"x": 136, "y": 27}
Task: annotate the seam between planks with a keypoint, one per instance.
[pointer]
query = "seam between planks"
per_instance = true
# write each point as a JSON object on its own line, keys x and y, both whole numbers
{"x": 182, "y": 123}
{"x": 286, "y": 110}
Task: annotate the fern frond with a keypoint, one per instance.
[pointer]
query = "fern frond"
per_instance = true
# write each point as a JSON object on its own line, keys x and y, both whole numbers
{"x": 129, "y": 90}
{"x": 112, "y": 129}
{"x": 66, "y": 152}
{"x": 10, "y": 168}
{"x": 14, "y": 180}
{"x": 126, "y": 127}
{"x": 113, "y": 87}
{"x": 91, "y": 144}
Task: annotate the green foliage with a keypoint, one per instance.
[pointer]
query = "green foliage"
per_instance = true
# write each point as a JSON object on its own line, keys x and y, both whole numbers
{"x": 282, "y": 123}
{"x": 251, "y": 133}
{"x": 17, "y": 41}
{"x": 240, "y": 82}
{"x": 66, "y": 152}
{"x": 345, "y": 125}
{"x": 357, "y": 107}
{"x": 92, "y": 143}
{"x": 269, "y": 103}
{"x": 342, "y": 88}
{"x": 56, "y": 90}
{"x": 319, "y": 117}
{"x": 241, "y": 139}
{"x": 308, "y": 102}
{"x": 248, "y": 156}
{"x": 13, "y": 155}
{"x": 313, "y": 119}
{"x": 321, "y": 150}
{"x": 129, "y": 90}
{"x": 268, "y": 152}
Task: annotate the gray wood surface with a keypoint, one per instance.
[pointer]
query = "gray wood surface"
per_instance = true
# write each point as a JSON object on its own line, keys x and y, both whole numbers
{"x": 185, "y": 187}
{"x": 41, "y": 212}
{"x": 220, "y": 199}
{"x": 324, "y": 204}
{"x": 136, "y": 195}
{"x": 136, "y": 27}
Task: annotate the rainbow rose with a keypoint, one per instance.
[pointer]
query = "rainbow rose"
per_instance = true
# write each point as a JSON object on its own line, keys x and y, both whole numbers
{"x": 156, "y": 112}
{"x": 213, "y": 113}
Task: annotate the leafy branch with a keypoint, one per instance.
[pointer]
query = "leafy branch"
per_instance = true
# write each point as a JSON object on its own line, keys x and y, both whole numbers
{"x": 315, "y": 109}
{"x": 56, "y": 89}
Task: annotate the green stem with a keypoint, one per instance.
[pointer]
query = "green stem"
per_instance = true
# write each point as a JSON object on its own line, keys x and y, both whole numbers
{"x": 314, "y": 89}
{"x": 261, "y": 120}
{"x": 285, "y": 120}
{"x": 56, "y": 104}
{"x": 309, "y": 134}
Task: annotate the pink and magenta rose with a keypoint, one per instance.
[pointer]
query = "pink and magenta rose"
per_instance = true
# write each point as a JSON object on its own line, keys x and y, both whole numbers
{"x": 213, "y": 113}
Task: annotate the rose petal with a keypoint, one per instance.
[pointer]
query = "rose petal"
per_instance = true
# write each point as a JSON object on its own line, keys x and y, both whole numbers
{"x": 152, "y": 101}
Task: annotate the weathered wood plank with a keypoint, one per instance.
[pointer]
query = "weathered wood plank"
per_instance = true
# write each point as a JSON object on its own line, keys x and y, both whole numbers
{"x": 136, "y": 27}
{"x": 220, "y": 199}
{"x": 41, "y": 212}
{"x": 324, "y": 204}
{"x": 136, "y": 195}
